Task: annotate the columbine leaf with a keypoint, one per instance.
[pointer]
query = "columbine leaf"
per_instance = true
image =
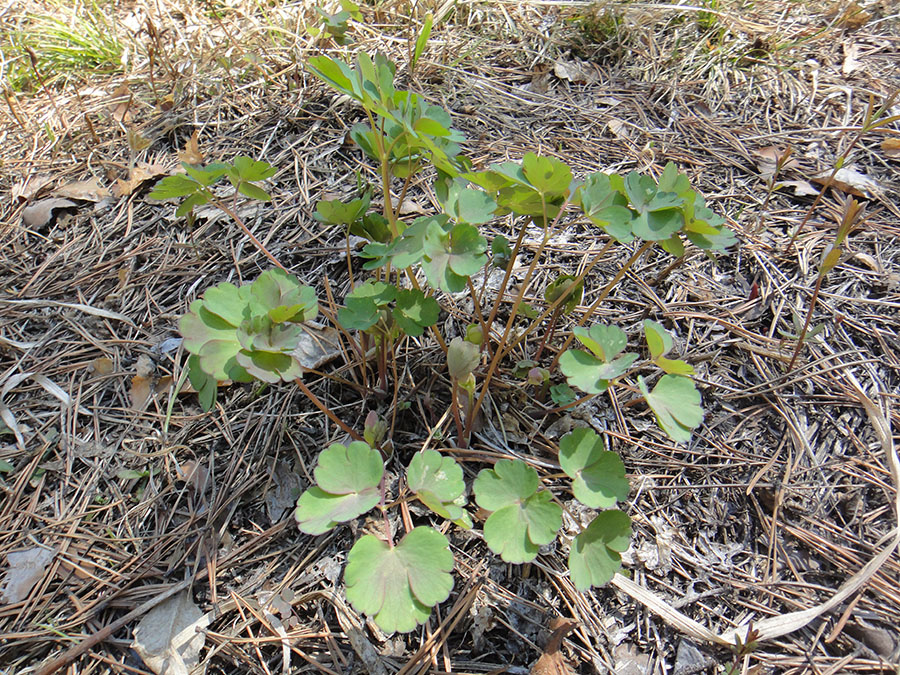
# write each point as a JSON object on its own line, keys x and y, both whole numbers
{"x": 451, "y": 257}
{"x": 501, "y": 252}
{"x": 348, "y": 469}
{"x": 556, "y": 288}
{"x": 606, "y": 207}
{"x": 438, "y": 483}
{"x": 415, "y": 312}
{"x": 598, "y": 476}
{"x": 318, "y": 511}
{"x": 593, "y": 372}
{"x": 606, "y": 342}
{"x": 347, "y": 480}
{"x": 253, "y": 191}
{"x": 468, "y": 205}
{"x": 594, "y": 558}
{"x": 248, "y": 169}
{"x": 336, "y": 212}
{"x": 399, "y": 585}
{"x": 660, "y": 342}
{"x": 523, "y": 519}
{"x": 547, "y": 175}
{"x": 676, "y": 403}
{"x": 174, "y": 186}
{"x": 281, "y": 296}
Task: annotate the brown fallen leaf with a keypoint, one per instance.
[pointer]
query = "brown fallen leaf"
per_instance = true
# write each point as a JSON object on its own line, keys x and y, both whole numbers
{"x": 168, "y": 639}
{"x": 28, "y": 188}
{"x": 576, "y": 71}
{"x": 141, "y": 173}
{"x": 891, "y": 148}
{"x": 102, "y": 365}
{"x": 767, "y": 160}
{"x": 121, "y": 104}
{"x": 191, "y": 153}
{"x": 143, "y": 383}
{"x": 552, "y": 661}
{"x": 135, "y": 141}
{"x": 42, "y": 212}
{"x": 85, "y": 190}
{"x": 318, "y": 345}
{"x": 849, "y": 181}
{"x": 26, "y": 568}
{"x": 193, "y": 473}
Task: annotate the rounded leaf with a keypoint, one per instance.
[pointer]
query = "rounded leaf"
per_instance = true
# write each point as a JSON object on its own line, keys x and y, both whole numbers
{"x": 399, "y": 585}
{"x": 598, "y": 475}
{"x": 594, "y": 557}
{"x": 348, "y": 469}
{"x": 676, "y": 403}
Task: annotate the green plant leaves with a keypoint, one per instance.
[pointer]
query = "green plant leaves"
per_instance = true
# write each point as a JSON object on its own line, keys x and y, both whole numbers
{"x": 592, "y": 372}
{"x": 242, "y": 173}
{"x": 468, "y": 205}
{"x": 676, "y": 403}
{"x": 347, "y": 485}
{"x": 606, "y": 207}
{"x": 398, "y": 586}
{"x": 241, "y": 333}
{"x": 557, "y": 287}
{"x": 660, "y": 342}
{"x": 414, "y": 311}
{"x": 452, "y": 257}
{"x": 523, "y": 518}
{"x": 598, "y": 475}
{"x": 438, "y": 483}
{"x": 595, "y": 554}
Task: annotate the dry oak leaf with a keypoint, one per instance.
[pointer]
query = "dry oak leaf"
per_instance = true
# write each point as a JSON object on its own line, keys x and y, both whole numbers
{"x": 141, "y": 173}
{"x": 168, "y": 639}
{"x": 26, "y": 568}
{"x": 26, "y": 189}
{"x": 42, "y": 212}
{"x": 891, "y": 148}
{"x": 85, "y": 190}
{"x": 121, "y": 104}
{"x": 191, "y": 153}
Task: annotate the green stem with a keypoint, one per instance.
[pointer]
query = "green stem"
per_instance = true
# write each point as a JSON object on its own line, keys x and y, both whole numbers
{"x": 600, "y": 298}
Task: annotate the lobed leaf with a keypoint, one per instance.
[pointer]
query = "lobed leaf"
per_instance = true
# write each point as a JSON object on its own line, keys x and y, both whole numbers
{"x": 415, "y": 312}
{"x": 676, "y": 403}
{"x": 660, "y": 342}
{"x": 399, "y": 585}
{"x": 523, "y": 519}
{"x": 598, "y": 475}
{"x": 595, "y": 554}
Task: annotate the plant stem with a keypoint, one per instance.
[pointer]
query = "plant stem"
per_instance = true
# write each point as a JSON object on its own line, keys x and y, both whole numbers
{"x": 606, "y": 291}
{"x": 512, "y": 314}
{"x": 872, "y": 121}
{"x": 328, "y": 413}
{"x": 802, "y": 337}
{"x": 246, "y": 230}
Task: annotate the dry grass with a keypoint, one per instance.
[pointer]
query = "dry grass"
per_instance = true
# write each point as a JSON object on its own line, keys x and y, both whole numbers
{"x": 784, "y": 493}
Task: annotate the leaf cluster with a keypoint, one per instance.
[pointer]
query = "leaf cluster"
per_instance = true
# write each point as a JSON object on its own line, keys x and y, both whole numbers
{"x": 248, "y": 332}
{"x": 195, "y": 185}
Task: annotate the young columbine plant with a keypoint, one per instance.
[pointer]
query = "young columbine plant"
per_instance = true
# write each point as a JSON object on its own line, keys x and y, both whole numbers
{"x": 254, "y": 331}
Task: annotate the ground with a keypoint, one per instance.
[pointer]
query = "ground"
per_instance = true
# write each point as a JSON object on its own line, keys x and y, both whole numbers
{"x": 115, "y": 491}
